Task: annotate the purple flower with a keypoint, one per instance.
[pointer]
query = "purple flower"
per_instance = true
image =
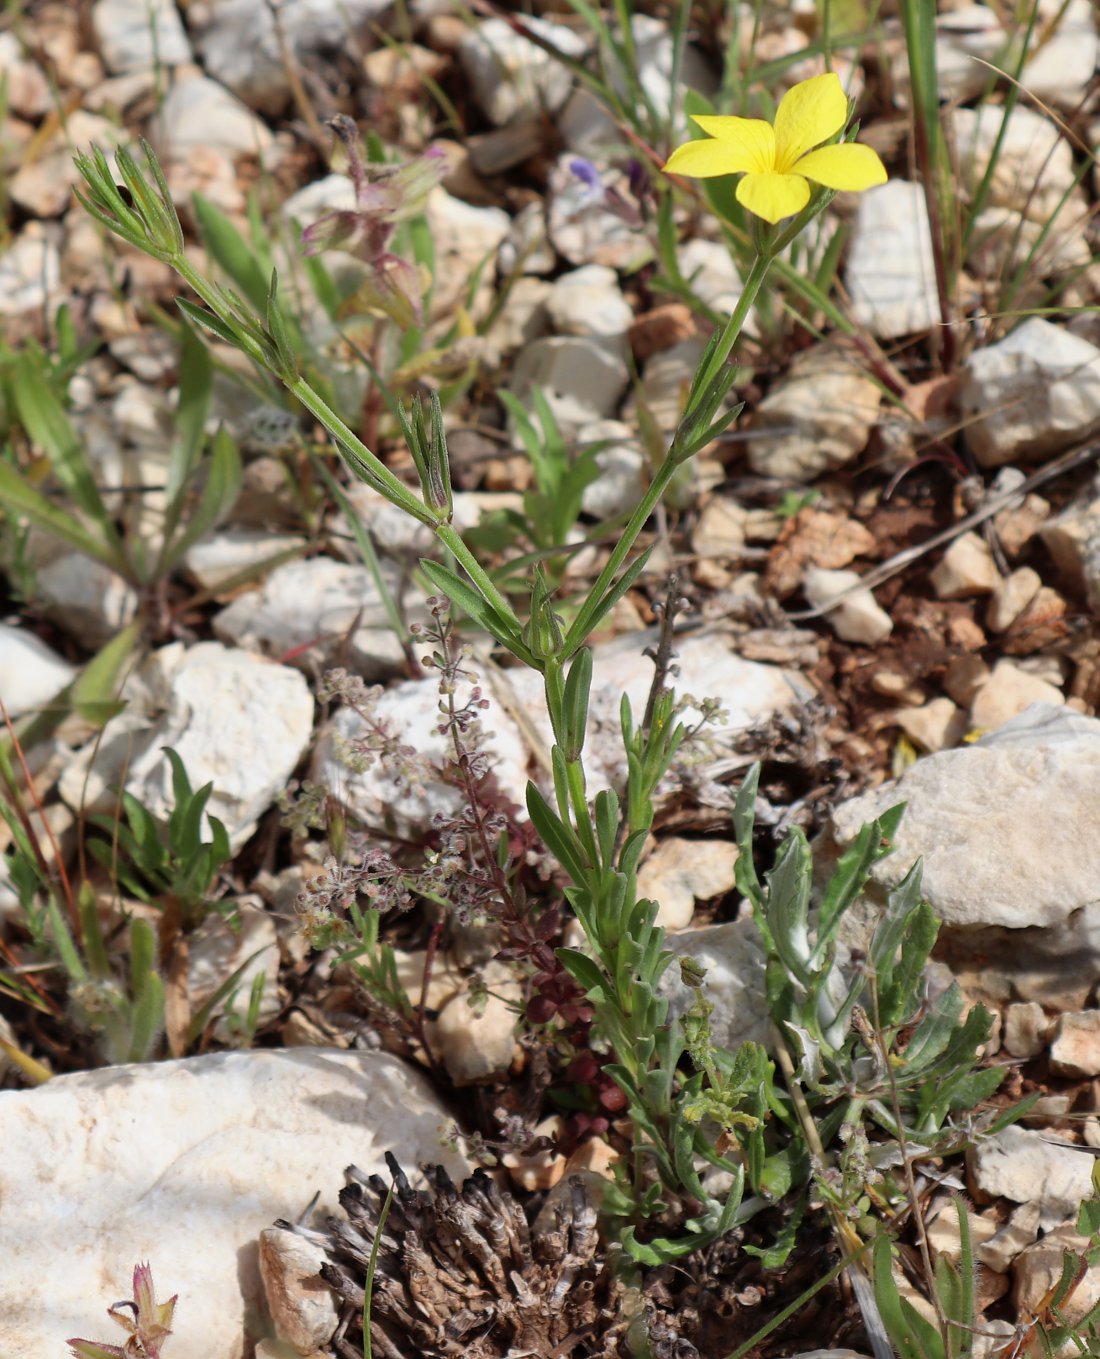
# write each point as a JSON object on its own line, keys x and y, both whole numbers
{"x": 586, "y": 172}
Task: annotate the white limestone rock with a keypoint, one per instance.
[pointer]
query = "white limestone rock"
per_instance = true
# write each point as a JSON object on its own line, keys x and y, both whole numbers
{"x": 733, "y": 956}
{"x": 1001, "y": 1250}
{"x": 1011, "y": 597}
{"x": 966, "y": 568}
{"x": 1034, "y": 393}
{"x": 302, "y": 1306}
{"x": 1006, "y": 827}
{"x": 28, "y": 91}
{"x": 87, "y": 598}
{"x": 1071, "y": 538}
{"x": 1034, "y": 161}
{"x": 857, "y": 617}
{"x": 891, "y": 272}
{"x": 527, "y": 249}
{"x": 588, "y": 301}
{"x": 183, "y": 1164}
{"x": 231, "y": 554}
{"x": 680, "y": 872}
{"x": 1025, "y": 1029}
{"x": 581, "y": 379}
{"x": 201, "y": 113}
{"x": 396, "y": 535}
{"x": 312, "y": 612}
{"x": 1007, "y": 692}
{"x": 238, "y": 45}
{"x": 963, "y": 34}
{"x": 936, "y": 725}
{"x": 234, "y": 719}
{"x": 1026, "y": 1167}
{"x": 409, "y": 713}
{"x": 42, "y": 186}
{"x": 136, "y": 35}
{"x": 477, "y": 1044}
{"x": 709, "y": 267}
{"x": 817, "y": 418}
{"x": 522, "y": 320}
{"x": 622, "y": 465}
{"x": 1040, "y": 1266}
{"x": 1075, "y": 1044}
{"x": 666, "y": 379}
{"x": 30, "y": 272}
{"x": 465, "y": 237}
{"x": 31, "y": 673}
{"x": 1061, "y": 67}
{"x": 750, "y": 692}
{"x": 509, "y": 75}
{"x": 719, "y": 531}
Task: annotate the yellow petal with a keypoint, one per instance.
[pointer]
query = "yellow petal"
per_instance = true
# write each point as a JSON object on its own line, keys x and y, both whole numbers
{"x": 704, "y": 160}
{"x": 850, "y": 166}
{"x": 750, "y": 138}
{"x": 773, "y": 196}
{"x": 810, "y": 113}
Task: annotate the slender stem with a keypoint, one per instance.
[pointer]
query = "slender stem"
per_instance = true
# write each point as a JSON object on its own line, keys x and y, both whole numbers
{"x": 450, "y": 537}
{"x": 578, "y": 631}
{"x": 395, "y": 490}
{"x": 759, "y": 271}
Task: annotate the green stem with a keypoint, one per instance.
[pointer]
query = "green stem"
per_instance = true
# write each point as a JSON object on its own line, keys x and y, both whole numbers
{"x": 578, "y": 630}
{"x": 449, "y": 536}
{"x": 734, "y": 325}
{"x": 395, "y": 490}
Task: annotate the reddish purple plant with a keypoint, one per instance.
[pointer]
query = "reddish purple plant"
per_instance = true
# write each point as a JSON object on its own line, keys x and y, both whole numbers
{"x": 385, "y": 195}
{"x": 149, "y": 1326}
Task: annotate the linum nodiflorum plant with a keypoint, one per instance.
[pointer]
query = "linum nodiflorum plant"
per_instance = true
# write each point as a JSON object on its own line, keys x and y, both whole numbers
{"x": 679, "y": 1120}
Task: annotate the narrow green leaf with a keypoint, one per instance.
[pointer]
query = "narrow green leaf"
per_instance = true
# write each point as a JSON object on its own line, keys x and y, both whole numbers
{"x": 143, "y": 954}
{"x": 789, "y": 905}
{"x": 229, "y": 249}
{"x": 578, "y": 688}
{"x": 146, "y": 1019}
{"x": 46, "y": 423}
{"x": 911, "y": 1335}
{"x": 586, "y": 972}
{"x": 607, "y": 824}
{"x": 744, "y": 823}
{"x": 201, "y": 317}
{"x": 219, "y": 494}
{"x": 574, "y": 641}
{"x": 196, "y": 385}
{"x": 852, "y": 871}
{"x": 94, "y": 692}
{"x": 205, "y": 1013}
{"x": 558, "y": 838}
{"x": 19, "y": 499}
{"x": 71, "y": 960}
{"x": 91, "y": 932}
{"x": 476, "y": 607}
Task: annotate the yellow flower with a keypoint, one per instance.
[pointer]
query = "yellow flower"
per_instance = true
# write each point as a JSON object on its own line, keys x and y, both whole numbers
{"x": 777, "y": 162}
